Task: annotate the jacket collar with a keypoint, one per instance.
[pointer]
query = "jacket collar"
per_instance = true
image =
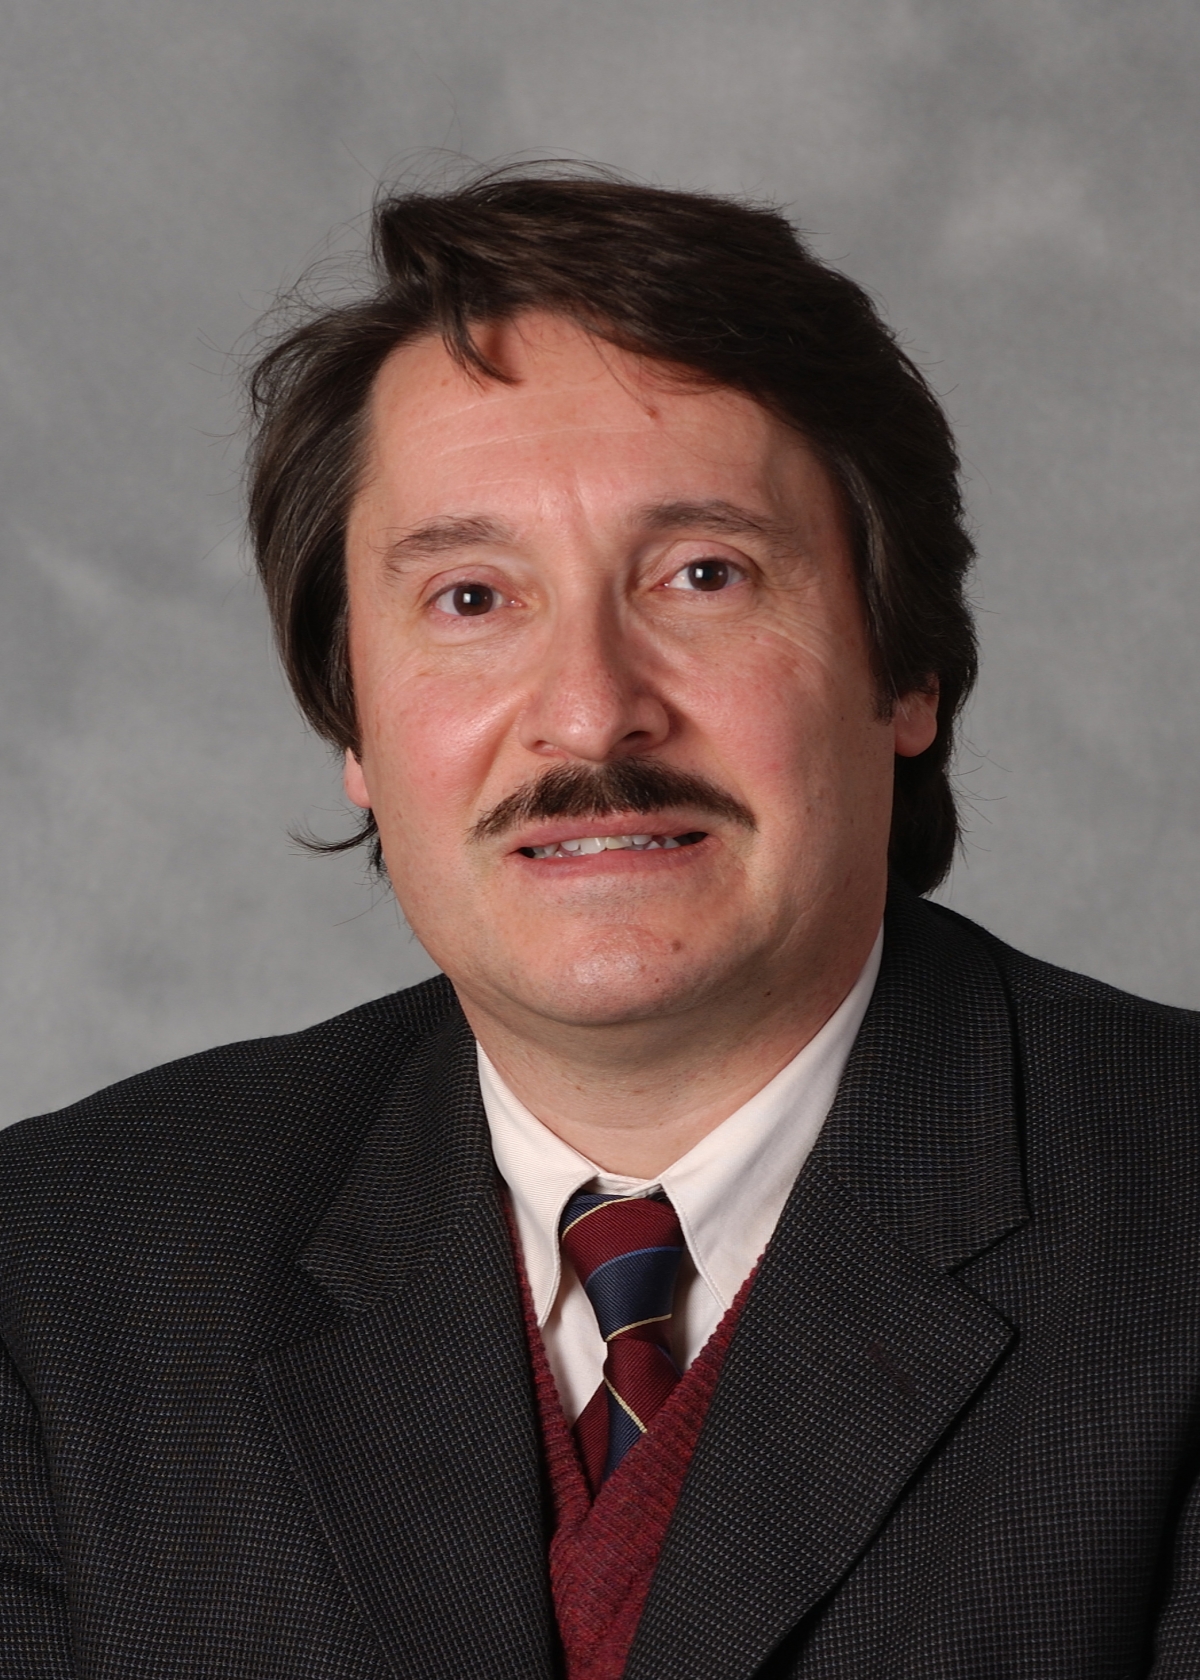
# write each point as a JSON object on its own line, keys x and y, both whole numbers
{"x": 858, "y": 1348}
{"x": 411, "y": 1420}
{"x": 924, "y": 1130}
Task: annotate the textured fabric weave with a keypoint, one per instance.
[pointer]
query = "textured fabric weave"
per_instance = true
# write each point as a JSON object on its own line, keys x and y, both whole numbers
{"x": 267, "y": 1407}
{"x": 626, "y": 1253}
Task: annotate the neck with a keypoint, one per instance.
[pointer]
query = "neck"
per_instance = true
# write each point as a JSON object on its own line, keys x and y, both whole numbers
{"x": 633, "y": 1097}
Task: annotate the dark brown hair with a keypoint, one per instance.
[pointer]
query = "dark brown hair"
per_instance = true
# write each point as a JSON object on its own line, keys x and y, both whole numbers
{"x": 722, "y": 290}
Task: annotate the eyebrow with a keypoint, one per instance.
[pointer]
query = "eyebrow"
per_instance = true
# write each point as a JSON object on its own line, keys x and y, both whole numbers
{"x": 718, "y": 518}
{"x": 441, "y": 536}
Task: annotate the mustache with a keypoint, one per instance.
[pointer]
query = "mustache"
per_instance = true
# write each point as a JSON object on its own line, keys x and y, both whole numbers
{"x": 630, "y": 784}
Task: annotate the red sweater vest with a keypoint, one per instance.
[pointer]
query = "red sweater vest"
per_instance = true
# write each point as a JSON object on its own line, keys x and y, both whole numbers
{"x": 603, "y": 1553}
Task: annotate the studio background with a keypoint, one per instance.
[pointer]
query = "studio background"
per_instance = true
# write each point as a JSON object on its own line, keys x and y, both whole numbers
{"x": 1016, "y": 185}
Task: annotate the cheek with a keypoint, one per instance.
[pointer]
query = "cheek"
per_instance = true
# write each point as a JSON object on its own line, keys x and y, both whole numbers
{"x": 775, "y": 703}
{"x": 795, "y": 729}
{"x": 428, "y": 743}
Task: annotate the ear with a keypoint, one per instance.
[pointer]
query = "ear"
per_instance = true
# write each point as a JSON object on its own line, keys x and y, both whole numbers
{"x": 355, "y": 783}
{"x": 914, "y": 720}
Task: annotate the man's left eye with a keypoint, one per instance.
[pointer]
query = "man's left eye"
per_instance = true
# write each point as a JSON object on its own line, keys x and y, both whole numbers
{"x": 706, "y": 576}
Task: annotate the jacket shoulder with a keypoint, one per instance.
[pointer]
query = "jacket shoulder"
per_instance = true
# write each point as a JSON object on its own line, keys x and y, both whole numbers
{"x": 1071, "y": 1029}
{"x": 255, "y": 1126}
{"x": 1050, "y": 983}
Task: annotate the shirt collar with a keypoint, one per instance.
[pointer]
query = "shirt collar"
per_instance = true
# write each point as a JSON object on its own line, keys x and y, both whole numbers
{"x": 728, "y": 1190}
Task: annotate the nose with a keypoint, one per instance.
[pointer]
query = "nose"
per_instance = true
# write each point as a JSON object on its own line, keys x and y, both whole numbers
{"x": 593, "y": 693}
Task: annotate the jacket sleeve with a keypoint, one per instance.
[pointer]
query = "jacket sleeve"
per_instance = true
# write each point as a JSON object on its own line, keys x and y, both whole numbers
{"x": 34, "y": 1637}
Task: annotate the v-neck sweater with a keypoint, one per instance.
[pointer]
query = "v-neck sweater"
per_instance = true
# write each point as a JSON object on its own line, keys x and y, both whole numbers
{"x": 603, "y": 1552}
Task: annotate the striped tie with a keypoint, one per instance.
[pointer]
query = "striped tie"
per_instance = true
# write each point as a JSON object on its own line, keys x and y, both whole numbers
{"x": 626, "y": 1252}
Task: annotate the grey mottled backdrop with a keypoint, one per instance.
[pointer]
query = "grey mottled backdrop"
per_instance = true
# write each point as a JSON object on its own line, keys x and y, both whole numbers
{"x": 1017, "y": 185}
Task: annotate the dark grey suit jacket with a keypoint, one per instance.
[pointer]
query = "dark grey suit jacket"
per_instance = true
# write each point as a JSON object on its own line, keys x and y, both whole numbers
{"x": 267, "y": 1408}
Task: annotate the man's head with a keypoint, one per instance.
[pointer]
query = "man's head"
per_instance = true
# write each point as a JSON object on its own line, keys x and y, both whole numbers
{"x": 614, "y": 501}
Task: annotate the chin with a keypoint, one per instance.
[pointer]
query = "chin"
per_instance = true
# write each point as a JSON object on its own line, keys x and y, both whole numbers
{"x": 609, "y": 988}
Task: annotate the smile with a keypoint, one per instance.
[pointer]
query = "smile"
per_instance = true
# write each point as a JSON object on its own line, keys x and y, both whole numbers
{"x": 589, "y": 845}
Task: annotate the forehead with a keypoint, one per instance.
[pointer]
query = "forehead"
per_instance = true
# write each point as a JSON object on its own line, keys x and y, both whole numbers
{"x": 580, "y": 424}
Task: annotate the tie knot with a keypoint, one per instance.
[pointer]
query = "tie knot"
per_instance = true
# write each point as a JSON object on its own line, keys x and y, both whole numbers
{"x": 626, "y": 1252}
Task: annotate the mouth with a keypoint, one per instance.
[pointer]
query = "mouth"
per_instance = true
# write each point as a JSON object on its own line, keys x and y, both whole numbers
{"x": 591, "y": 845}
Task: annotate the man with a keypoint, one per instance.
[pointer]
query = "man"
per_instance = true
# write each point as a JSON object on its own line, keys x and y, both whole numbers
{"x": 713, "y": 1276}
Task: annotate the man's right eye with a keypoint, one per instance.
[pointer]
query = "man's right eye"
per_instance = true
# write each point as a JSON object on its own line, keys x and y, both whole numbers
{"x": 467, "y": 600}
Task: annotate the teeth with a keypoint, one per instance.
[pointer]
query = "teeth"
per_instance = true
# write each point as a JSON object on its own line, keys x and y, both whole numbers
{"x": 590, "y": 845}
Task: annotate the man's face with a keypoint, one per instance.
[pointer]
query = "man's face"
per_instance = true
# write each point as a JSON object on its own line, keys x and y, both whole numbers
{"x": 644, "y": 591}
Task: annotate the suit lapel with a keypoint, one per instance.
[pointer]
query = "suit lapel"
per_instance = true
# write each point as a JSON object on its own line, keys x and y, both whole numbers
{"x": 856, "y": 1350}
{"x": 411, "y": 1420}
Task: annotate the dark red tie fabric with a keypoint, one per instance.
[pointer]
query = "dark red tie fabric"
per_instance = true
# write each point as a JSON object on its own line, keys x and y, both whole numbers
{"x": 626, "y": 1253}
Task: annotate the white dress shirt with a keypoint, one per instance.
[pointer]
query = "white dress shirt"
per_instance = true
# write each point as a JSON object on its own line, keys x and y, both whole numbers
{"x": 728, "y": 1191}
